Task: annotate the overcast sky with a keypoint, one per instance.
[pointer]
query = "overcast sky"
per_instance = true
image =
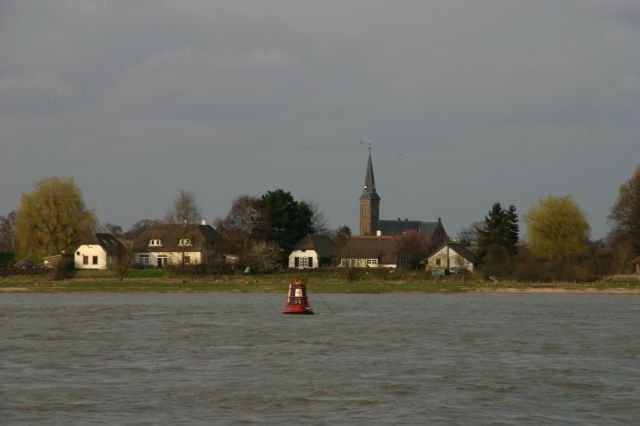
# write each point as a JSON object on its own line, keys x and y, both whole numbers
{"x": 466, "y": 103}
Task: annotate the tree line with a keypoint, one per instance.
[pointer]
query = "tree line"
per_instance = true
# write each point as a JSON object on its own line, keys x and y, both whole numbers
{"x": 558, "y": 245}
{"x": 262, "y": 230}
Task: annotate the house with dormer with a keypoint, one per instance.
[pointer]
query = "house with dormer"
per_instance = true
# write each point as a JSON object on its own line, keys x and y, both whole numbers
{"x": 175, "y": 244}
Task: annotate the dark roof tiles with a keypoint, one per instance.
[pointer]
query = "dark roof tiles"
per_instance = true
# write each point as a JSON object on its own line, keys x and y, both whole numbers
{"x": 382, "y": 248}
{"x": 201, "y": 236}
{"x": 322, "y": 244}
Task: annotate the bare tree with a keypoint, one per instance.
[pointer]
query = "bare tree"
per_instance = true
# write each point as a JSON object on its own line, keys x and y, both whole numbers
{"x": 123, "y": 259}
{"x": 184, "y": 209}
{"x": 263, "y": 256}
{"x": 318, "y": 218}
{"x": 626, "y": 212}
{"x": 112, "y": 229}
{"x": 468, "y": 236}
{"x": 412, "y": 248}
{"x": 241, "y": 227}
{"x": 8, "y": 232}
{"x": 139, "y": 227}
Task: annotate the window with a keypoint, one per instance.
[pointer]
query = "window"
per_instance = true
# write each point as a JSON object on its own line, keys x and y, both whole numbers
{"x": 187, "y": 260}
{"x": 358, "y": 263}
{"x": 365, "y": 211}
{"x": 155, "y": 243}
{"x": 438, "y": 262}
{"x": 143, "y": 259}
{"x": 303, "y": 262}
{"x": 85, "y": 260}
{"x": 184, "y": 242}
{"x": 95, "y": 260}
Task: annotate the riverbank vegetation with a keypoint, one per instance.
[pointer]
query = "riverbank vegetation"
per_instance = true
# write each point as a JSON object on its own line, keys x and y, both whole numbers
{"x": 258, "y": 234}
{"x": 335, "y": 281}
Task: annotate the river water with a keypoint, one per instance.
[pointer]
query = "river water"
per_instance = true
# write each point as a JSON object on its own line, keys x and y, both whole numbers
{"x": 234, "y": 359}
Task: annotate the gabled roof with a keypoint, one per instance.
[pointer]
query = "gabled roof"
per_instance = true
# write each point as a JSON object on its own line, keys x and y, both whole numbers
{"x": 202, "y": 237}
{"x": 382, "y": 248}
{"x": 395, "y": 227}
{"x": 461, "y": 250}
{"x": 108, "y": 242}
{"x": 322, "y": 244}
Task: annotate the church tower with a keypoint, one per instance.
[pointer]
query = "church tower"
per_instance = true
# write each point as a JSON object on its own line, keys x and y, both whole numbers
{"x": 369, "y": 203}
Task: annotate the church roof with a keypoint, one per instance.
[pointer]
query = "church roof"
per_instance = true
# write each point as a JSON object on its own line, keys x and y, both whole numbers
{"x": 394, "y": 227}
{"x": 369, "y": 190}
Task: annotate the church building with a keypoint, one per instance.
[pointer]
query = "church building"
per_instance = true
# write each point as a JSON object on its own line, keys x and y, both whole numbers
{"x": 372, "y": 225}
{"x": 376, "y": 246}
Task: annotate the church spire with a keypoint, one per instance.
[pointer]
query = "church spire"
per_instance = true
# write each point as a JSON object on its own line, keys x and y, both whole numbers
{"x": 369, "y": 189}
{"x": 369, "y": 180}
{"x": 369, "y": 202}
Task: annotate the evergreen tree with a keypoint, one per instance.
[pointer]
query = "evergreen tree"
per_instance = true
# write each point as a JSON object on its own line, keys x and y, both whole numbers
{"x": 289, "y": 220}
{"x": 498, "y": 236}
{"x": 513, "y": 230}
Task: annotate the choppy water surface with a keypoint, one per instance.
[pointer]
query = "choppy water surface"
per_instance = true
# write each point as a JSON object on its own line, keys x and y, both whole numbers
{"x": 166, "y": 359}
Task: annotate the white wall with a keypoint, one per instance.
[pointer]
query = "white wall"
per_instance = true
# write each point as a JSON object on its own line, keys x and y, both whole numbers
{"x": 455, "y": 260}
{"x": 173, "y": 258}
{"x": 90, "y": 250}
{"x": 304, "y": 253}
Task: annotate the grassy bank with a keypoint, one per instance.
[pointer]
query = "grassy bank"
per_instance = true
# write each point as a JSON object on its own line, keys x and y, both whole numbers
{"x": 158, "y": 281}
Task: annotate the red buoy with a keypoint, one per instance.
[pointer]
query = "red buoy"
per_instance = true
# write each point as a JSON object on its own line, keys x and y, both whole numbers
{"x": 297, "y": 299}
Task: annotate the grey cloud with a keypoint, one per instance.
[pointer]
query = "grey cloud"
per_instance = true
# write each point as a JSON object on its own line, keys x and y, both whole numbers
{"x": 467, "y": 102}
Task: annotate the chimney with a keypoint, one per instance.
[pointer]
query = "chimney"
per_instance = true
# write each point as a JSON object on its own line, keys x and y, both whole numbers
{"x": 204, "y": 221}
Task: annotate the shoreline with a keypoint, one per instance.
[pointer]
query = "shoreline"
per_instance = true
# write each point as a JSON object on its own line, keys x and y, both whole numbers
{"x": 320, "y": 288}
{"x": 327, "y": 283}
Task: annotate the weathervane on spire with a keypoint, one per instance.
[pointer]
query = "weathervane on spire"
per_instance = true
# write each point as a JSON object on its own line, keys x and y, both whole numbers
{"x": 368, "y": 143}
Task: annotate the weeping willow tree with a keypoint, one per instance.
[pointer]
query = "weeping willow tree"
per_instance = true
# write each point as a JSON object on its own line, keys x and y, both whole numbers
{"x": 558, "y": 229}
{"x": 53, "y": 218}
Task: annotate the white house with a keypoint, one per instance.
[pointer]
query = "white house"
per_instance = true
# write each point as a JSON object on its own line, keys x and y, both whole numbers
{"x": 313, "y": 251}
{"x": 452, "y": 258}
{"x": 100, "y": 251}
{"x": 175, "y": 244}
